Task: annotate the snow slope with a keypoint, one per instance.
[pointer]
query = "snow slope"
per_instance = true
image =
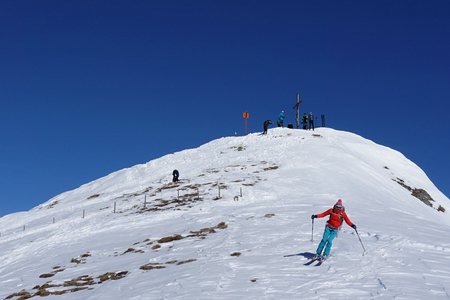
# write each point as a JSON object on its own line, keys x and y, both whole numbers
{"x": 237, "y": 225}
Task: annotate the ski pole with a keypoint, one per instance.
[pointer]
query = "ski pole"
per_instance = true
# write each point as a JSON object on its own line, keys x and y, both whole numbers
{"x": 312, "y": 230}
{"x": 360, "y": 241}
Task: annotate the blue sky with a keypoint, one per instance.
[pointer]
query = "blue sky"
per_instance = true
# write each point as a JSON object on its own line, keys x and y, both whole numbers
{"x": 91, "y": 87}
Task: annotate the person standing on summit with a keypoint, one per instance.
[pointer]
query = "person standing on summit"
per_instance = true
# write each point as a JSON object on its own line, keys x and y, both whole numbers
{"x": 337, "y": 216}
{"x": 280, "y": 120}
{"x": 305, "y": 121}
{"x": 266, "y": 126}
{"x": 311, "y": 121}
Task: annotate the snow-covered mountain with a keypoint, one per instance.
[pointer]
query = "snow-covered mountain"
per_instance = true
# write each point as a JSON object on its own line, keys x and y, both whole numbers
{"x": 238, "y": 225}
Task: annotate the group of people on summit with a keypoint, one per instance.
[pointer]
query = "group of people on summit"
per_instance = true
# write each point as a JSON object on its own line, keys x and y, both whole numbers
{"x": 307, "y": 121}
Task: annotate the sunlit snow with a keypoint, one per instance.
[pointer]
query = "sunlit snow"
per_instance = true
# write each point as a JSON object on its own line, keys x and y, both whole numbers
{"x": 237, "y": 226}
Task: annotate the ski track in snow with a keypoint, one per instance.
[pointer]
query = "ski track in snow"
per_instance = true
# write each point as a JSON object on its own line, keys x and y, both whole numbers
{"x": 285, "y": 177}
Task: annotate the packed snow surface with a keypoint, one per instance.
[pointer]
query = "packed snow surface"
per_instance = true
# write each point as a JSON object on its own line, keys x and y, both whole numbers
{"x": 237, "y": 226}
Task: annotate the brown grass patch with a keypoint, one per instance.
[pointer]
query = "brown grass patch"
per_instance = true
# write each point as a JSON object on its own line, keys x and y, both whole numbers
{"x": 185, "y": 261}
{"x": 75, "y": 260}
{"x": 74, "y": 285}
{"x": 132, "y": 250}
{"x": 170, "y": 262}
{"x": 221, "y": 225}
{"x": 169, "y": 239}
{"x": 22, "y": 294}
{"x": 112, "y": 276}
{"x": 79, "y": 281}
{"x": 270, "y": 168}
{"x": 152, "y": 266}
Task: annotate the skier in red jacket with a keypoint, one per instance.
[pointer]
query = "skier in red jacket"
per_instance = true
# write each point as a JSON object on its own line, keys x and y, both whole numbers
{"x": 337, "y": 216}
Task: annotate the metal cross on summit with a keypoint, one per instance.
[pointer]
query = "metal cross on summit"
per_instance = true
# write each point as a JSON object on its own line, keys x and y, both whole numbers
{"x": 297, "y": 107}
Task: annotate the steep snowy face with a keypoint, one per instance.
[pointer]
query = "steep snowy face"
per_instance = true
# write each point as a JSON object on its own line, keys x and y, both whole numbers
{"x": 237, "y": 224}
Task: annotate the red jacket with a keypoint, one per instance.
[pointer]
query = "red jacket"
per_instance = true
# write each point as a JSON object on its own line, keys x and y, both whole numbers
{"x": 336, "y": 218}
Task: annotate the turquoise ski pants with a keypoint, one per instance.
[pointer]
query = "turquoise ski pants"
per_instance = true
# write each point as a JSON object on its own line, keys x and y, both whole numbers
{"x": 327, "y": 240}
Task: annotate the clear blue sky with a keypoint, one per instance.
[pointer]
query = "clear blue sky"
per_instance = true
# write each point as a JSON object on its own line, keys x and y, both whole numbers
{"x": 91, "y": 87}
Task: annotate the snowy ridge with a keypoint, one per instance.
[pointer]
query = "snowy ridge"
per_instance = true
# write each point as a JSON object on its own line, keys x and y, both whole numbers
{"x": 237, "y": 225}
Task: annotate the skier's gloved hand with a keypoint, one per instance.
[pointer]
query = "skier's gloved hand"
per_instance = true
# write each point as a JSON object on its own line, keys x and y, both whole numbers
{"x": 354, "y": 226}
{"x": 313, "y": 217}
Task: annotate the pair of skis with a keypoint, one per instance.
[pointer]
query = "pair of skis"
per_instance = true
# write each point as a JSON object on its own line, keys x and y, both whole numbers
{"x": 318, "y": 260}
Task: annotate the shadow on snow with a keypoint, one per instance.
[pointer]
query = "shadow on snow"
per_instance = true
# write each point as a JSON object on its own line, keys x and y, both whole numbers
{"x": 307, "y": 255}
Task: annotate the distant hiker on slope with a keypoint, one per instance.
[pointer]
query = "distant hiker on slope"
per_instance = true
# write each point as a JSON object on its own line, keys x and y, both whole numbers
{"x": 337, "y": 216}
{"x": 266, "y": 126}
{"x": 175, "y": 175}
{"x": 280, "y": 120}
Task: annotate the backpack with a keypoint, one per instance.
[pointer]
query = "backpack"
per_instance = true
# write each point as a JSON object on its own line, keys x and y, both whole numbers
{"x": 340, "y": 216}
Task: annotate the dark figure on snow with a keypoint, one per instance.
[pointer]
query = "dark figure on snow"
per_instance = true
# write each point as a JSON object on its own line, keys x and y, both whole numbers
{"x": 311, "y": 121}
{"x": 337, "y": 216}
{"x": 266, "y": 125}
{"x": 305, "y": 121}
{"x": 175, "y": 175}
{"x": 280, "y": 120}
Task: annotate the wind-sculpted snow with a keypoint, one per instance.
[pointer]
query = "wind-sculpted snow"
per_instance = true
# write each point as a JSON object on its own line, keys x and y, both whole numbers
{"x": 237, "y": 225}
